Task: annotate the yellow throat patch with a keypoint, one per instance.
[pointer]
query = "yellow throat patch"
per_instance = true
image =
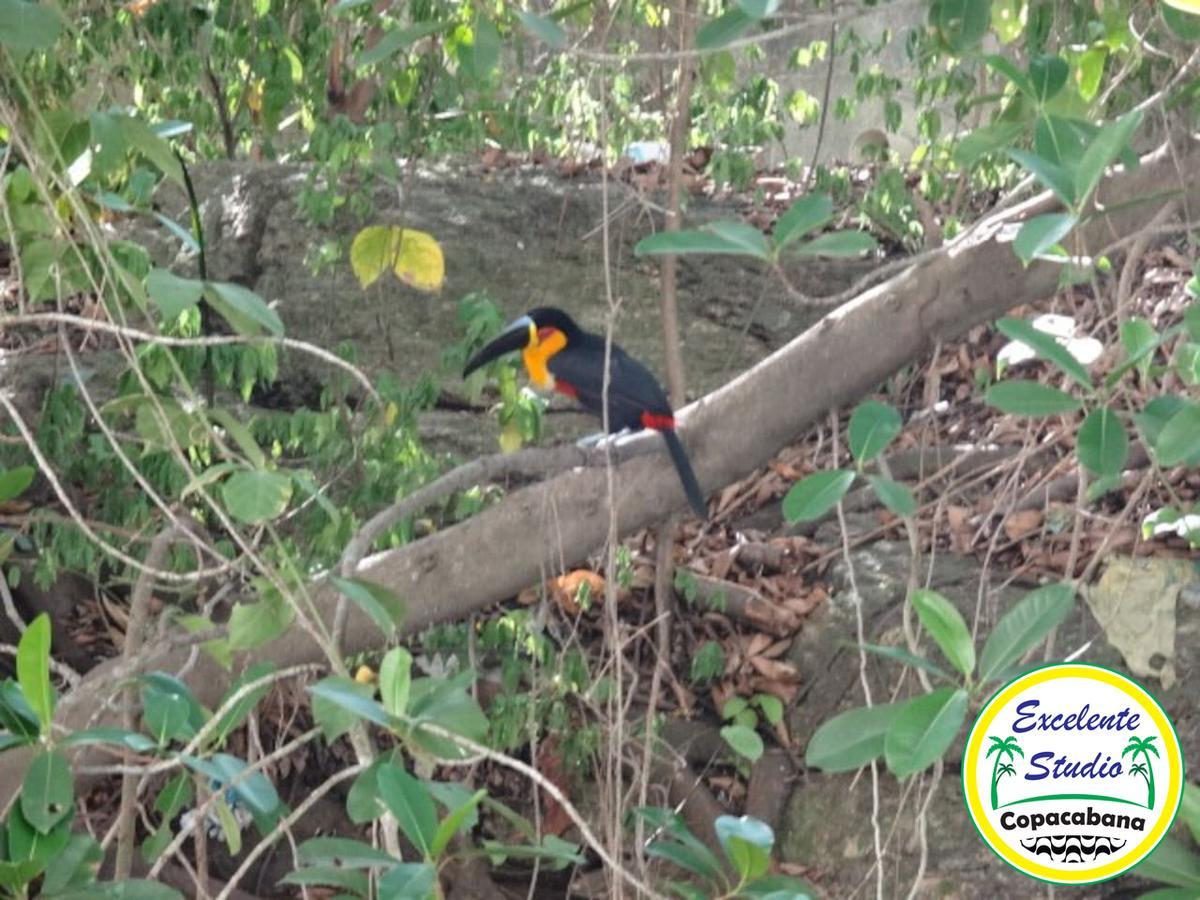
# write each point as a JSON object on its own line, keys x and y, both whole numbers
{"x": 543, "y": 344}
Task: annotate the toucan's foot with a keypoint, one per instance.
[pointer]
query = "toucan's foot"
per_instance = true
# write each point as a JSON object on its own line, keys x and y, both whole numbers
{"x": 600, "y": 438}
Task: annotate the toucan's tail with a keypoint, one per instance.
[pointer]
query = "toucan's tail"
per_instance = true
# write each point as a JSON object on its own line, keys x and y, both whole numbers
{"x": 684, "y": 467}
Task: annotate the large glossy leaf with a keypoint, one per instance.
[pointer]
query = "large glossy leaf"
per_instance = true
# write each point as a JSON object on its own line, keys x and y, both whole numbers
{"x": 723, "y": 30}
{"x": 396, "y": 40}
{"x": 1102, "y": 444}
{"x": 946, "y": 626}
{"x": 1052, "y": 175}
{"x": 873, "y": 425}
{"x": 813, "y": 496}
{"x": 410, "y": 802}
{"x": 255, "y": 496}
{"x": 1020, "y": 629}
{"x": 385, "y": 609}
{"x": 172, "y": 293}
{"x": 243, "y": 309}
{"x": 26, "y": 26}
{"x": 725, "y": 237}
{"x": 47, "y": 791}
{"x": 543, "y": 28}
{"x": 1042, "y": 233}
{"x": 1104, "y": 148}
{"x": 747, "y": 842}
{"x": 837, "y": 244}
{"x": 33, "y": 669}
{"x": 1179, "y": 440}
{"x": 806, "y": 214}
{"x": 744, "y": 740}
{"x": 1047, "y": 74}
{"x": 851, "y": 739}
{"x": 894, "y": 495}
{"x": 924, "y": 730}
{"x": 343, "y": 851}
{"x": 1029, "y": 398}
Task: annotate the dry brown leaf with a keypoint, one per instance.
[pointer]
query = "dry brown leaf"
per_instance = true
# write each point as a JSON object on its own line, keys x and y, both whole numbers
{"x": 1021, "y": 523}
{"x": 565, "y": 589}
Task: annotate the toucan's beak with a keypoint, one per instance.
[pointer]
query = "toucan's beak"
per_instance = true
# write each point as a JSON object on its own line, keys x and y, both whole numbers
{"x": 516, "y": 336}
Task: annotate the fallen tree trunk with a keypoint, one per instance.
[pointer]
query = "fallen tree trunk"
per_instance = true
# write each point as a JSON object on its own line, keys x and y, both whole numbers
{"x": 729, "y": 433}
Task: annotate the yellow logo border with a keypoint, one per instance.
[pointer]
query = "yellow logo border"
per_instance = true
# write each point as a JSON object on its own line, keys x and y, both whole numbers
{"x": 1145, "y": 701}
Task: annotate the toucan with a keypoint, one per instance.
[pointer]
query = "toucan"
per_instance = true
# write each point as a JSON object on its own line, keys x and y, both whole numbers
{"x": 560, "y": 356}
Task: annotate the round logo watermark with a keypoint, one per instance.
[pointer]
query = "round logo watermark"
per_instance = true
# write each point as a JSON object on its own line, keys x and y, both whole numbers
{"x": 1072, "y": 773}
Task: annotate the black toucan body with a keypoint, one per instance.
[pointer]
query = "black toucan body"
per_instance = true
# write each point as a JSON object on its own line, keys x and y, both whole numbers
{"x": 561, "y": 356}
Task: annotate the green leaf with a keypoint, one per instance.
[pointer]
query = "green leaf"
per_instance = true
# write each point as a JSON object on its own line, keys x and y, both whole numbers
{"x": 1139, "y": 339}
{"x": 447, "y": 704}
{"x": 16, "y": 715}
{"x": 758, "y": 9}
{"x": 1053, "y": 176}
{"x": 1041, "y": 233}
{"x": 543, "y": 28}
{"x": 33, "y": 670}
{"x": 356, "y": 883}
{"x": 130, "y": 889}
{"x": 27, "y": 844}
{"x": 241, "y": 435}
{"x": 409, "y": 801}
{"x": 771, "y": 706}
{"x": 1187, "y": 363}
{"x": 1191, "y": 315}
{"x": 924, "y": 730}
{"x": 396, "y": 40}
{"x": 243, "y": 309}
{"x": 256, "y": 496}
{"x": 946, "y": 626}
{"x": 1179, "y": 440}
{"x": 806, "y": 214}
{"x": 478, "y": 58}
{"x": 873, "y": 426}
{"x": 727, "y": 237}
{"x": 107, "y": 734}
{"x": 1020, "y": 629}
{"x": 343, "y": 851}
{"x": 851, "y": 739}
{"x": 1015, "y": 76}
{"x": 1102, "y": 444}
{"x": 1090, "y": 69}
{"x": 254, "y": 790}
{"x": 1045, "y": 346}
{"x": 409, "y": 881}
{"x": 169, "y": 711}
{"x": 744, "y": 741}
{"x": 362, "y": 801}
{"x": 961, "y": 23}
{"x": 395, "y": 680}
{"x": 348, "y": 694}
{"x": 27, "y": 26}
{"x": 1028, "y": 398}
{"x": 1154, "y": 416}
{"x": 1186, "y": 25}
{"x": 1104, "y": 148}
{"x": 153, "y": 147}
{"x": 172, "y": 293}
{"x": 174, "y": 796}
{"x": 14, "y": 482}
{"x": 990, "y": 138}
{"x": 334, "y": 718}
{"x": 894, "y": 495}
{"x": 75, "y": 867}
{"x": 454, "y": 822}
{"x": 723, "y": 30}
{"x": 238, "y": 712}
{"x": 253, "y": 624}
{"x": 1171, "y": 863}
{"x": 1047, "y": 75}
{"x": 838, "y": 244}
{"x": 901, "y": 655}
{"x": 813, "y": 496}
{"x": 747, "y": 842}
{"x": 385, "y": 608}
{"x": 681, "y": 847}
{"x": 47, "y": 791}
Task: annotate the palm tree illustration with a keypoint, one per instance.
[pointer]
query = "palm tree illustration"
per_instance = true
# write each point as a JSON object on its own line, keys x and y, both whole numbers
{"x": 1142, "y": 747}
{"x": 1006, "y": 749}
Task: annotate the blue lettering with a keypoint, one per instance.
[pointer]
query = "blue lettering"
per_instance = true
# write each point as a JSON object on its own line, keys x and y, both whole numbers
{"x": 1023, "y": 716}
{"x": 1036, "y": 764}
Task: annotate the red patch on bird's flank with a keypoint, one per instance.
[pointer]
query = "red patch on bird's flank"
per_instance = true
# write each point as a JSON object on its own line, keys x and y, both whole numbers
{"x": 563, "y": 388}
{"x": 658, "y": 421}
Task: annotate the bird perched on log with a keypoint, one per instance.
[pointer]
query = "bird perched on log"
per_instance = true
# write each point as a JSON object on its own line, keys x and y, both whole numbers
{"x": 560, "y": 356}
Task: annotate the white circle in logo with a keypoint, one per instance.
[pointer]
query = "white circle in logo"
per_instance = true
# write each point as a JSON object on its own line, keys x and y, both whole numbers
{"x": 1072, "y": 773}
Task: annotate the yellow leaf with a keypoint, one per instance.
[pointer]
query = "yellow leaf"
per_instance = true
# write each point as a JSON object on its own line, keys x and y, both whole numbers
{"x": 1188, "y": 6}
{"x": 510, "y": 438}
{"x": 420, "y": 262}
{"x": 364, "y": 675}
{"x": 414, "y": 256}
{"x": 371, "y": 254}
